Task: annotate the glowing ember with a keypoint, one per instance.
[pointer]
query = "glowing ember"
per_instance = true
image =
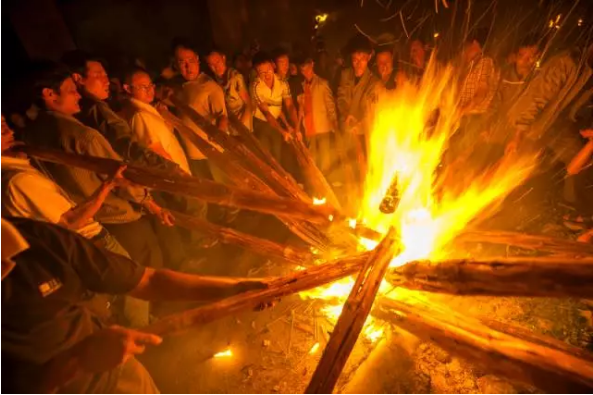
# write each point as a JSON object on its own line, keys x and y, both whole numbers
{"x": 314, "y": 349}
{"x": 224, "y": 354}
{"x": 412, "y": 129}
{"x": 319, "y": 202}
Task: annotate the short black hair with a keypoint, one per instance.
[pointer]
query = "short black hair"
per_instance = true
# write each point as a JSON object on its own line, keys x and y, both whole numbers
{"x": 77, "y": 61}
{"x": 303, "y": 58}
{"x": 384, "y": 48}
{"x": 49, "y": 75}
{"x": 359, "y": 43}
{"x": 183, "y": 42}
{"x": 530, "y": 40}
{"x": 131, "y": 72}
{"x": 479, "y": 34}
{"x": 214, "y": 49}
{"x": 261, "y": 58}
{"x": 279, "y": 52}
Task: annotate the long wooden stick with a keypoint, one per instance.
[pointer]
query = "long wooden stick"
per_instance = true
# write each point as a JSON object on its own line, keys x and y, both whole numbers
{"x": 545, "y": 277}
{"x": 192, "y": 187}
{"x": 254, "y": 244}
{"x": 531, "y": 242}
{"x": 353, "y": 317}
{"x": 287, "y": 285}
{"x": 550, "y": 368}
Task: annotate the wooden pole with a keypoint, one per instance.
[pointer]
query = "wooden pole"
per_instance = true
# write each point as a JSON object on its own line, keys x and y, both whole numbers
{"x": 543, "y": 277}
{"x": 293, "y": 283}
{"x": 254, "y": 244}
{"x": 353, "y": 317}
{"x": 550, "y": 367}
{"x": 193, "y": 187}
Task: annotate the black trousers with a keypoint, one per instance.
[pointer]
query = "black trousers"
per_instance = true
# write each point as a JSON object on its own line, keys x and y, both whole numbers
{"x": 140, "y": 240}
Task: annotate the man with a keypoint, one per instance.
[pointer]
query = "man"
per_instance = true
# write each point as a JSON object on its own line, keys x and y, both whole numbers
{"x": 93, "y": 83}
{"x": 357, "y": 94}
{"x": 282, "y": 64}
{"x": 56, "y": 128}
{"x": 146, "y": 123}
{"x": 412, "y": 70}
{"x": 59, "y": 345}
{"x": 515, "y": 77}
{"x": 205, "y": 96}
{"x": 317, "y": 112}
{"x": 384, "y": 61}
{"x": 269, "y": 92}
{"x": 235, "y": 90}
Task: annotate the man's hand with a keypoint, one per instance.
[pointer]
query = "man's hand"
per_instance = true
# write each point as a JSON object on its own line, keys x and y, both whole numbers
{"x": 587, "y": 133}
{"x": 117, "y": 179}
{"x": 287, "y": 134}
{"x": 110, "y": 347}
{"x": 163, "y": 214}
{"x": 350, "y": 122}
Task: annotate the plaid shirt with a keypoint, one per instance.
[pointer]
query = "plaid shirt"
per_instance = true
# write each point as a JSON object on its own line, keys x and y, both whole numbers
{"x": 481, "y": 74}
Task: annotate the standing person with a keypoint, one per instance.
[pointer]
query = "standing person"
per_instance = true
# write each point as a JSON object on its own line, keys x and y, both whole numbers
{"x": 412, "y": 69}
{"x": 59, "y": 345}
{"x": 385, "y": 70}
{"x": 236, "y": 94}
{"x": 56, "y": 127}
{"x": 269, "y": 93}
{"x": 205, "y": 96}
{"x": 357, "y": 94}
{"x": 283, "y": 70}
{"x": 93, "y": 83}
{"x": 317, "y": 112}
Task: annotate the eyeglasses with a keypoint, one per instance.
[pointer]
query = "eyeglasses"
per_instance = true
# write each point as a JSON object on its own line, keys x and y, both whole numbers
{"x": 144, "y": 87}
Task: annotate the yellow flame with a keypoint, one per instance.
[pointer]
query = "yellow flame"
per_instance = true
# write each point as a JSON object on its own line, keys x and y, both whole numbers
{"x": 224, "y": 354}
{"x": 319, "y": 202}
{"x": 321, "y": 18}
{"x": 314, "y": 349}
{"x": 352, "y": 223}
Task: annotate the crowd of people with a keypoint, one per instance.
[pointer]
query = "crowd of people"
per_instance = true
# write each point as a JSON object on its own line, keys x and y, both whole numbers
{"x": 73, "y": 236}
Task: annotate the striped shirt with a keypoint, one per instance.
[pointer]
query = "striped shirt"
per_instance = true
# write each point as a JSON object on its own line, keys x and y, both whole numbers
{"x": 271, "y": 97}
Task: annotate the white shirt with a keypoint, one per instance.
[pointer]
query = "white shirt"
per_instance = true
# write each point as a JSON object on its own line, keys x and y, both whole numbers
{"x": 149, "y": 127}
{"x": 28, "y": 193}
{"x": 272, "y": 97}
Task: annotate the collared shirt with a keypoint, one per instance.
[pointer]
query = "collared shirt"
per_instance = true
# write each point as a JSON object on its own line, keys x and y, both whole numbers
{"x": 97, "y": 115}
{"x": 43, "y": 311}
{"x": 149, "y": 127}
{"x": 272, "y": 97}
{"x": 233, "y": 84}
{"x": 63, "y": 132}
{"x": 28, "y": 193}
{"x": 206, "y": 97}
{"x": 318, "y": 108}
{"x": 480, "y": 72}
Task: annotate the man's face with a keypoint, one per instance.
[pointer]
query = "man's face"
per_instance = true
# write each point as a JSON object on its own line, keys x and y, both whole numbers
{"x": 307, "y": 70}
{"x": 141, "y": 87}
{"x": 96, "y": 81}
{"x": 7, "y": 136}
{"x": 282, "y": 65}
{"x": 417, "y": 53}
{"x": 188, "y": 63}
{"x": 525, "y": 60}
{"x": 471, "y": 50}
{"x": 384, "y": 64}
{"x": 217, "y": 63}
{"x": 66, "y": 100}
{"x": 360, "y": 61}
{"x": 265, "y": 71}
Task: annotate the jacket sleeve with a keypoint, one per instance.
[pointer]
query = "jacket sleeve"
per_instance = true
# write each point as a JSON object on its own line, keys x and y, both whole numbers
{"x": 343, "y": 102}
{"x": 544, "y": 88}
{"x": 330, "y": 104}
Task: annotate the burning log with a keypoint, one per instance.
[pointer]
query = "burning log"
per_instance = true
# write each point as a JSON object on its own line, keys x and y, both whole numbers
{"x": 545, "y": 277}
{"x": 551, "y": 367}
{"x": 293, "y": 283}
{"x": 193, "y": 187}
{"x": 353, "y": 317}
{"x": 254, "y": 244}
{"x": 530, "y": 242}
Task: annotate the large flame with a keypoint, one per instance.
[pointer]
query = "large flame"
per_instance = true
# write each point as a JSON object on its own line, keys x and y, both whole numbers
{"x": 412, "y": 128}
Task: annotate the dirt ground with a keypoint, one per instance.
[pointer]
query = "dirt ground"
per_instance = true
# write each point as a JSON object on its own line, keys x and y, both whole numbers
{"x": 272, "y": 349}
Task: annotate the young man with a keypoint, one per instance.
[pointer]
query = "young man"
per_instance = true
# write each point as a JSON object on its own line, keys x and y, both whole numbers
{"x": 412, "y": 70}
{"x": 61, "y": 346}
{"x": 317, "y": 112}
{"x": 282, "y": 63}
{"x": 56, "y": 128}
{"x": 269, "y": 92}
{"x": 235, "y": 90}
{"x": 385, "y": 70}
{"x": 93, "y": 84}
{"x": 358, "y": 93}
{"x": 205, "y": 96}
